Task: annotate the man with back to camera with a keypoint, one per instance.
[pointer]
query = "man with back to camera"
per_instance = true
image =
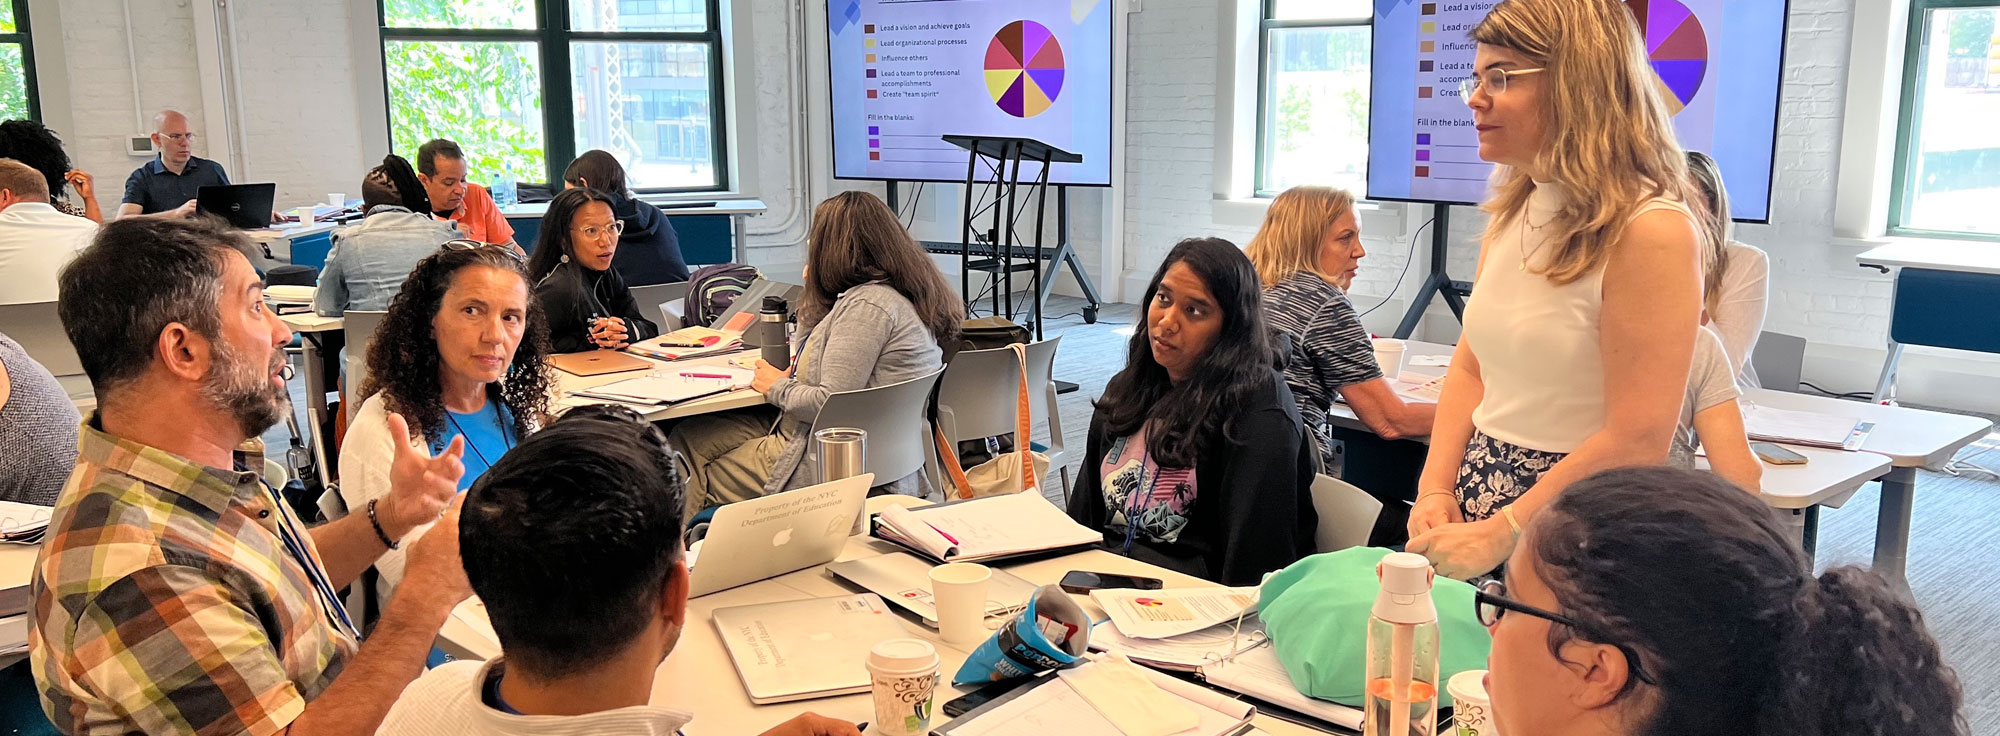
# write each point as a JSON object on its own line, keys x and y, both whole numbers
{"x": 169, "y": 182}
{"x": 36, "y": 239}
{"x": 176, "y": 592}
{"x": 441, "y": 168}
{"x": 572, "y": 540}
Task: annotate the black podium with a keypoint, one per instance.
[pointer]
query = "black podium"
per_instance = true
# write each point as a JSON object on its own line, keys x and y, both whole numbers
{"x": 994, "y": 162}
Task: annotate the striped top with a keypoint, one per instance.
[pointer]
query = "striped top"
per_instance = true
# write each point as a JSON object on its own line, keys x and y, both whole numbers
{"x": 1330, "y": 348}
{"x": 168, "y": 599}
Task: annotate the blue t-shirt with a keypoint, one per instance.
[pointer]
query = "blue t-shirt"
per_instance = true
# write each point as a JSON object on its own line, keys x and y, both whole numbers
{"x": 489, "y": 433}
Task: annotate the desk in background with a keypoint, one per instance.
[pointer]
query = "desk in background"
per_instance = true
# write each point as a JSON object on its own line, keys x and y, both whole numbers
{"x": 708, "y": 234}
{"x": 1946, "y": 293}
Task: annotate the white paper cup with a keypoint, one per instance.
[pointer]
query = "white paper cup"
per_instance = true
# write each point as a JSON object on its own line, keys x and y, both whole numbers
{"x": 903, "y": 679}
{"x": 1471, "y": 711}
{"x": 305, "y": 215}
{"x": 336, "y": 199}
{"x": 959, "y": 590}
{"x": 1389, "y": 354}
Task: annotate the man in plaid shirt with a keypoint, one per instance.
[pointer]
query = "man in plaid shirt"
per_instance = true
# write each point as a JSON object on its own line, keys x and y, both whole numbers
{"x": 176, "y": 592}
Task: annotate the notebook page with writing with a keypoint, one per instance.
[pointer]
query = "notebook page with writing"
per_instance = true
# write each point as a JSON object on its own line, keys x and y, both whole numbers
{"x": 1184, "y": 653}
{"x": 1258, "y": 674}
{"x": 1054, "y": 707}
{"x": 995, "y": 527}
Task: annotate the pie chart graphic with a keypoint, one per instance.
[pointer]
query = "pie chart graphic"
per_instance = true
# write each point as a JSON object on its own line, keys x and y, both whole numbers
{"x": 1676, "y": 46}
{"x": 1024, "y": 69}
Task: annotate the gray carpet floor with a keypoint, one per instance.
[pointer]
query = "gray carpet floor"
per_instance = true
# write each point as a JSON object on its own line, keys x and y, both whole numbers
{"x": 1951, "y": 565}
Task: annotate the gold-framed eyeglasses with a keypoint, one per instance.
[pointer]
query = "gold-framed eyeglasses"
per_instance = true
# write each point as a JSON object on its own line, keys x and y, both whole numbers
{"x": 1494, "y": 80}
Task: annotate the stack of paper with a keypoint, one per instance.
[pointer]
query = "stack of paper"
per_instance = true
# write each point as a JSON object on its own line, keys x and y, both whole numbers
{"x": 23, "y": 523}
{"x": 984, "y": 529}
{"x": 1158, "y": 614}
{"x": 290, "y": 299}
{"x": 1807, "y": 428}
{"x": 1054, "y": 705}
{"x": 689, "y": 342}
{"x": 1418, "y": 387}
{"x": 671, "y": 387}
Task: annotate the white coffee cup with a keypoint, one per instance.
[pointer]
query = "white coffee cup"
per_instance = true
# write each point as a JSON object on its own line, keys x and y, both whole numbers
{"x": 1389, "y": 354}
{"x": 336, "y": 199}
{"x": 1471, "y": 711}
{"x": 958, "y": 589}
{"x": 903, "y": 678}
{"x": 305, "y": 215}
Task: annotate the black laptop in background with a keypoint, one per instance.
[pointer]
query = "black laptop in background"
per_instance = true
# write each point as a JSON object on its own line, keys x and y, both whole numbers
{"x": 246, "y": 206}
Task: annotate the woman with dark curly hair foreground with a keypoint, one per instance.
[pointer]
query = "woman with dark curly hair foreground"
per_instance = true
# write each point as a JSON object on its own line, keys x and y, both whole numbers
{"x": 460, "y": 355}
{"x": 1654, "y": 601}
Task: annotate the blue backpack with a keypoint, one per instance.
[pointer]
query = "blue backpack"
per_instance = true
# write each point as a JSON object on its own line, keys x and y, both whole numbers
{"x": 711, "y": 289}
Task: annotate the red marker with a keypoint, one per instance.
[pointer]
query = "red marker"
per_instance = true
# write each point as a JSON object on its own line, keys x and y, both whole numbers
{"x": 706, "y": 375}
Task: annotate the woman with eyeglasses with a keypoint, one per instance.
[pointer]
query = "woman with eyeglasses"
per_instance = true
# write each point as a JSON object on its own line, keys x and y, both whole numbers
{"x": 1580, "y": 331}
{"x": 1657, "y": 601}
{"x": 588, "y": 305}
{"x": 649, "y": 252}
{"x": 460, "y": 356}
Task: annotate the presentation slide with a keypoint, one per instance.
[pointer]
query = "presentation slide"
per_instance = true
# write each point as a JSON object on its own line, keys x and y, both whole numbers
{"x": 1716, "y": 63}
{"x": 904, "y": 73}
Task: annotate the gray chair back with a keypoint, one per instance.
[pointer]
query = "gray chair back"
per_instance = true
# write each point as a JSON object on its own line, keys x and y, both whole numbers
{"x": 1777, "y": 361}
{"x": 893, "y": 416}
{"x": 1346, "y": 514}
{"x": 360, "y": 327}
{"x": 40, "y": 332}
{"x": 659, "y": 296}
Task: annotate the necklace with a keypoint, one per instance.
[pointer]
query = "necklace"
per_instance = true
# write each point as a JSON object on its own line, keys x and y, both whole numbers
{"x": 1525, "y": 226}
{"x": 474, "y": 446}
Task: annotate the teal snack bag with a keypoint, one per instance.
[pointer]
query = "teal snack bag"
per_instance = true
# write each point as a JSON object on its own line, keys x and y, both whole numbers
{"x": 1316, "y": 613}
{"x": 1052, "y": 632}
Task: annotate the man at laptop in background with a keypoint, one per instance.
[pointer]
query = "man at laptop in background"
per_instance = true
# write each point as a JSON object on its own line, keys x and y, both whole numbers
{"x": 572, "y": 540}
{"x": 441, "y": 167}
{"x": 170, "y": 180}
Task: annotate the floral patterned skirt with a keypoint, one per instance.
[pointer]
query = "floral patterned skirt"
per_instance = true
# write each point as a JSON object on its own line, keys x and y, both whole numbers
{"x": 1495, "y": 473}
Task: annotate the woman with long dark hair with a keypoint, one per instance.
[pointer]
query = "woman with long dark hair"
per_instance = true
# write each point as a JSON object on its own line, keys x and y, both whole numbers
{"x": 876, "y": 311}
{"x": 1657, "y": 601}
{"x": 649, "y": 252}
{"x": 461, "y": 355}
{"x": 1197, "y": 460}
{"x": 588, "y": 305}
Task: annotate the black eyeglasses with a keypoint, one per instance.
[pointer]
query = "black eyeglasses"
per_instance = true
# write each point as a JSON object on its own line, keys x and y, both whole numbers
{"x": 462, "y": 244}
{"x": 1490, "y": 602}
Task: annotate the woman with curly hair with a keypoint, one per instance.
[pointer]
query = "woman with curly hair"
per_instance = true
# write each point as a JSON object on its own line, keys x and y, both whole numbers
{"x": 1197, "y": 460}
{"x": 1655, "y": 601}
{"x": 461, "y": 354}
{"x": 32, "y": 143}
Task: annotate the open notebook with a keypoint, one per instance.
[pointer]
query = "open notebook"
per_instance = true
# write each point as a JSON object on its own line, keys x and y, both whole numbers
{"x": 984, "y": 529}
{"x": 1241, "y": 661}
{"x": 671, "y": 386}
{"x": 1812, "y": 429}
{"x": 1052, "y": 706}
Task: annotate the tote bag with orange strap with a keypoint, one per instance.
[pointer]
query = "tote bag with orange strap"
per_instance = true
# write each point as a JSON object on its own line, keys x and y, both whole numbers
{"x": 1008, "y": 472}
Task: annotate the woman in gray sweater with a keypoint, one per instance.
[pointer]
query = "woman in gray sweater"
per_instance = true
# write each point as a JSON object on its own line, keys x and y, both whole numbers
{"x": 875, "y": 312}
{"x": 38, "y": 426}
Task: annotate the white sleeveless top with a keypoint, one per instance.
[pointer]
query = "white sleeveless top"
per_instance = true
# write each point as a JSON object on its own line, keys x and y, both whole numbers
{"x": 1538, "y": 342}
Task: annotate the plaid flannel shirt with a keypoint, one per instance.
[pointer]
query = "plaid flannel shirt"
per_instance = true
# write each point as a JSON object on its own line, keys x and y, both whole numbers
{"x": 166, "y": 600}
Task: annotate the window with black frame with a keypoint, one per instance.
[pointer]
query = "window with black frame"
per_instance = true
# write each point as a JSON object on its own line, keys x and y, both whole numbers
{"x": 1312, "y": 94}
{"x": 17, "y": 64}
{"x": 524, "y": 86}
{"x": 1948, "y": 148}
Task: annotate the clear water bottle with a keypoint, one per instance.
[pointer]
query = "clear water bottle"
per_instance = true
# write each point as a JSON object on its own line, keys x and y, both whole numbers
{"x": 1402, "y": 651}
{"x": 503, "y": 189}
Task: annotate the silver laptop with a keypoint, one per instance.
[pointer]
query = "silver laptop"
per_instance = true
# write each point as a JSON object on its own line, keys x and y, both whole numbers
{"x": 812, "y": 648}
{"x": 766, "y": 537}
{"x": 752, "y": 299}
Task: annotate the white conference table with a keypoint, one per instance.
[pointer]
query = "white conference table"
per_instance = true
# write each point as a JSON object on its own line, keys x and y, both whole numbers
{"x": 699, "y": 676}
{"x": 17, "y": 569}
{"x": 568, "y": 383}
{"x": 1828, "y": 478}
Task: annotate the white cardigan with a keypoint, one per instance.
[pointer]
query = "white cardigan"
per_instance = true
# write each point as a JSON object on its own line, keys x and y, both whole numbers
{"x": 365, "y": 458}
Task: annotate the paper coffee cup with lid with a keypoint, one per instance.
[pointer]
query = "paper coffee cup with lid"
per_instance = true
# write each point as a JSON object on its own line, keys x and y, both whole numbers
{"x": 903, "y": 679}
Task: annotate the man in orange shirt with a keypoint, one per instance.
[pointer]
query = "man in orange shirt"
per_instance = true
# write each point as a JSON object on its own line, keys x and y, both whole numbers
{"x": 441, "y": 168}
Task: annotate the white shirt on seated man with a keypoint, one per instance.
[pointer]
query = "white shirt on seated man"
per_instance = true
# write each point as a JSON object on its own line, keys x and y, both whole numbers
{"x": 36, "y": 240}
{"x": 572, "y": 541}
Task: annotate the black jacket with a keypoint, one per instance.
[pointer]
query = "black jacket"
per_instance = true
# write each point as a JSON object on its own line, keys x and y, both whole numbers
{"x": 1253, "y": 512}
{"x": 572, "y": 296}
{"x": 648, "y": 252}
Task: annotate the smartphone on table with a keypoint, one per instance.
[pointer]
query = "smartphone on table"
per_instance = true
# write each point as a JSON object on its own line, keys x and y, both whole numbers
{"x": 1776, "y": 454}
{"x": 1080, "y": 581}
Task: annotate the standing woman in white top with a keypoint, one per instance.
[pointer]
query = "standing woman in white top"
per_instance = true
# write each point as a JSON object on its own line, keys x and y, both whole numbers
{"x": 1582, "y": 322}
{"x": 1736, "y": 279}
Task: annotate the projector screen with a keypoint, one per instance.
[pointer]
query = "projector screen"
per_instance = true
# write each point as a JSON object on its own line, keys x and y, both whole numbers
{"x": 1717, "y": 63}
{"x": 903, "y": 73}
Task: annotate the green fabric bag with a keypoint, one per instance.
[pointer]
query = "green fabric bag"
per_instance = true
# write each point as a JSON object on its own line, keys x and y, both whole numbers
{"x": 1316, "y": 614}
